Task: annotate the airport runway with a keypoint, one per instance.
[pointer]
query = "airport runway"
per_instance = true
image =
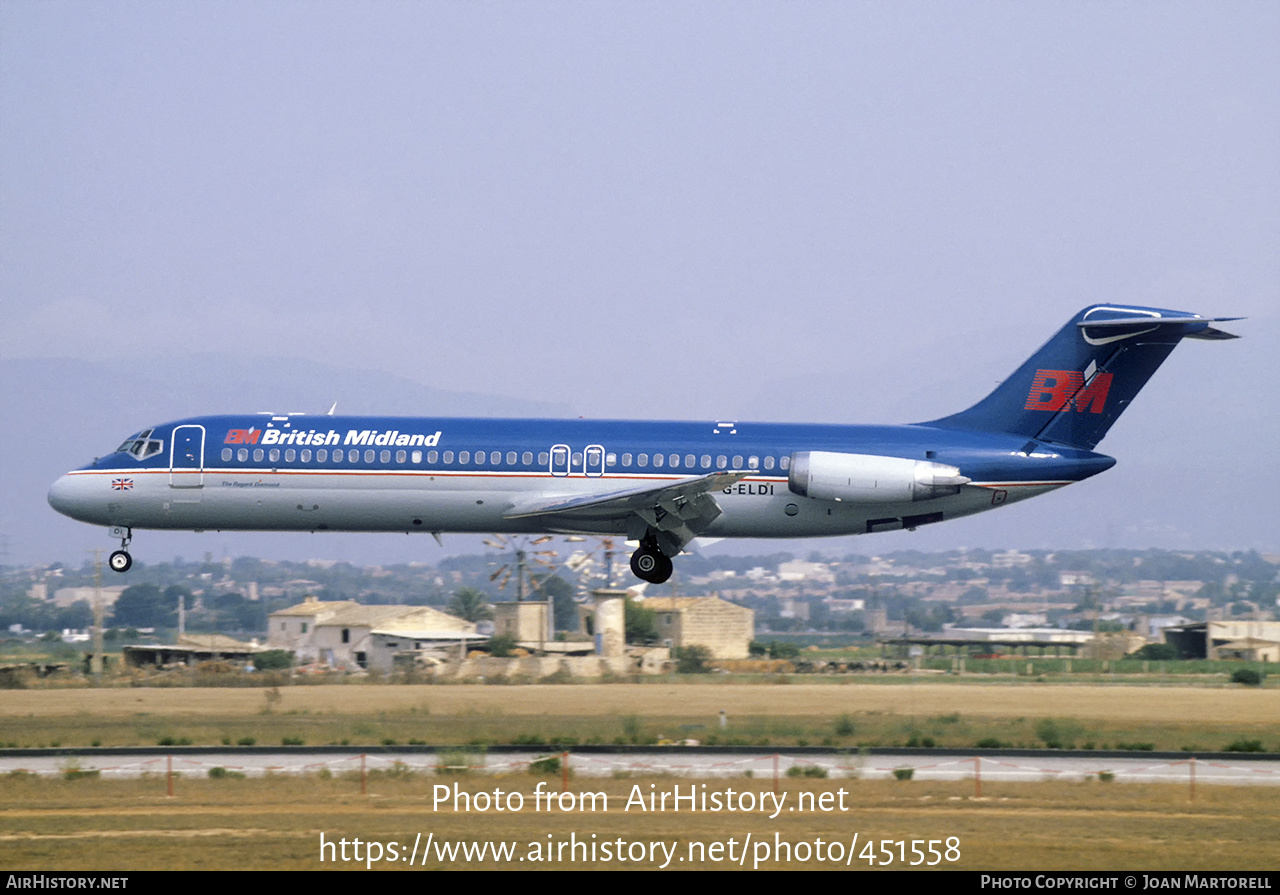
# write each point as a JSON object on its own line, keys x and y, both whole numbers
{"x": 990, "y": 765}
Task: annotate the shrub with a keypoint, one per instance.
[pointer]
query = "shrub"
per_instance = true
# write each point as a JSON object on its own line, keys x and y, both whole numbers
{"x": 903, "y": 773}
{"x": 693, "y": 659}
{"x": 1250, "y": 677}
{"x": 458, "y": 762}
{"x": 1057, "y": 734}
{"x": 548, "y": 765}
{"x": 1156, "y": 652}
{"x": 1246, "y": 746}
{"x": 809, "y": 770}
{"x": 502, "y": 646}
{"x": 72, "y": 771}
{"x": 274, "y": 660}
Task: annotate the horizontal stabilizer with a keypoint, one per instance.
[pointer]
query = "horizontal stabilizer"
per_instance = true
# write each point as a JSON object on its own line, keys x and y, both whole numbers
{"x": 1189, "y": 326}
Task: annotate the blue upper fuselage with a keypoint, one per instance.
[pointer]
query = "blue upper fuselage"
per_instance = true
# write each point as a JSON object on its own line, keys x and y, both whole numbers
{"x": 603, "y": 447}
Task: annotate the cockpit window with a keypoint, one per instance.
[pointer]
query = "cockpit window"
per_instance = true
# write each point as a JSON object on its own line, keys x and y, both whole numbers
{"x": 142, "y": 445}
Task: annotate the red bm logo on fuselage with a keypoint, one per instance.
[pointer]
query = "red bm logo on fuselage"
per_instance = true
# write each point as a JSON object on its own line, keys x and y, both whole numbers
{"x": 242, "y": 436}
{"x": 1054, "y": 389}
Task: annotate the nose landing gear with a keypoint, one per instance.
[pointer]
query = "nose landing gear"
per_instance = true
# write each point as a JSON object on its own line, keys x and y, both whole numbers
{"x": 120, "y": 560}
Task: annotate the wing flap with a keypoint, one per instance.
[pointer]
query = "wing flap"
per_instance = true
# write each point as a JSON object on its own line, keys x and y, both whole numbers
{"x": 647, "y": 501}
{"x": 673, "y": 513}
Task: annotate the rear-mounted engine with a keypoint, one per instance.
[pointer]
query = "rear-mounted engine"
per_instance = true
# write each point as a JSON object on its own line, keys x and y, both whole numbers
{"x": 866, "y": 478}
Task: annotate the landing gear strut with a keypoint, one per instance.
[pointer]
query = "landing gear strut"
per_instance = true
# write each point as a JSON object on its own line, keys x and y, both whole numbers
{"x": 120, "y": 560}
{"x": 650, "y": 564}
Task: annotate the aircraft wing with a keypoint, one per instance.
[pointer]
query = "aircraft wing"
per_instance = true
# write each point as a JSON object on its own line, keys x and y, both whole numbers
{"x": 678, "y": 511}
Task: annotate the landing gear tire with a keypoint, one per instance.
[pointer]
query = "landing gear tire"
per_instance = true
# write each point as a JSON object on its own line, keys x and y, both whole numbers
{"x": 651, "y": 565}
{"x": 120, "y": 561}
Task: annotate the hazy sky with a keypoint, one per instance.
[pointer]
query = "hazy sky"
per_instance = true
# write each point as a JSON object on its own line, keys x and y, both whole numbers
{"x": 647, "y": 209}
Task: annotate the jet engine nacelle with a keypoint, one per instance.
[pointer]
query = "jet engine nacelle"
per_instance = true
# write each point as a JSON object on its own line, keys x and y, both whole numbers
{"x": 867, "y": 478}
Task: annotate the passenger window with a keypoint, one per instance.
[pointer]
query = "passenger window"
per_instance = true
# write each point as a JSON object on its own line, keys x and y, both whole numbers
{"x": 432, "y": 457}
{"x": 543, "y": 458}
{"x": 401, "y": 456}
{"x": 658, "y": 460}
{"x": 784, "y": 463}
{"x": 322, "y": 455}
{"x": 722, "y": 461}
{"x": 753, "y": 462}
{"x": 305, "y": 456}
{"x": 642, "y": 460}
{"x": 369, "y": 455}
{"x": 511, "y": 458}
{"x": 690, "y": 460}
{"x": 274, "y": 455}
{"x": 448, "y": 457}
{"x": 290, "y": 455}
{"x": 527, "y": 458}
{"x": 385, "y": 456}
{"x": 626, "y": 459}
{"x": 737, "y": 462}
{"x": 495, "y": 458}
{"x": 768, "y": 463}
{"x": 257, "y": 455}
{"x": 463, "y": 456}
{"x": 226, "y": 454}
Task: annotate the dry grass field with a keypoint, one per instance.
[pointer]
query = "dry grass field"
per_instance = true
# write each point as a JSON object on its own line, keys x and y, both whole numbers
{"x": 277, "y": 822}
{"x": 682, "y": 697}
{"x": 837, "y": 715}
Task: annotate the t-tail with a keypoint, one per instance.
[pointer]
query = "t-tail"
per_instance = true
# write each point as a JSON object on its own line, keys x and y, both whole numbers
{"x": 1072, "y": 389}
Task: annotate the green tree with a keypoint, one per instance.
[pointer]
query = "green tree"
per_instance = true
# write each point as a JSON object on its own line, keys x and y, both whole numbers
{"x": 470, "y": 605}
{"x": 563, "y": 606}
{"x": 641, "y": 623}
{"x": 143, "y": 606}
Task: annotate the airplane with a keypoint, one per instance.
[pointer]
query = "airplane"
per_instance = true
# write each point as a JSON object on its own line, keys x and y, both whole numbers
{"x": 660, "y": 484}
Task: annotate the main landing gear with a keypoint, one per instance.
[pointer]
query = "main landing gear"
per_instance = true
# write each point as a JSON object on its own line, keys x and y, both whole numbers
{"x": 120, "y": 560}
{"x": 650, "y": 564}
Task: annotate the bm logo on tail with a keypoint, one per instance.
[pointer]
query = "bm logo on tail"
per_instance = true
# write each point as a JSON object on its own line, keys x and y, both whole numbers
{"x": 1054, "y": 389}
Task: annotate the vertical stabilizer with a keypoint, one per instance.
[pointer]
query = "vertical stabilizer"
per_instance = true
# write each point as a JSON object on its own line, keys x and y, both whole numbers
{"x": 1072, "y": 389}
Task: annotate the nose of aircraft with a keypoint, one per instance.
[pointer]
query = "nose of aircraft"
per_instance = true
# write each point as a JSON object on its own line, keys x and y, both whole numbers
{"x": 70, "y": 496}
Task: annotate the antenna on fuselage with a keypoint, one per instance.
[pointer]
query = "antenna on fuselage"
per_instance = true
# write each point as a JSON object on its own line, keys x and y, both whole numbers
{"x": 332, "y": 409}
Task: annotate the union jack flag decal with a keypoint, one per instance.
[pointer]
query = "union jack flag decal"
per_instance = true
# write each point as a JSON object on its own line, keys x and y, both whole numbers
{"x": 122, "y": 484}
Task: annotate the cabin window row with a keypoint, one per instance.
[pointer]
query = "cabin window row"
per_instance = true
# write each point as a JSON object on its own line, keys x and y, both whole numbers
{"x": 497, "y": 458}
{"x": 693, "y": 461}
